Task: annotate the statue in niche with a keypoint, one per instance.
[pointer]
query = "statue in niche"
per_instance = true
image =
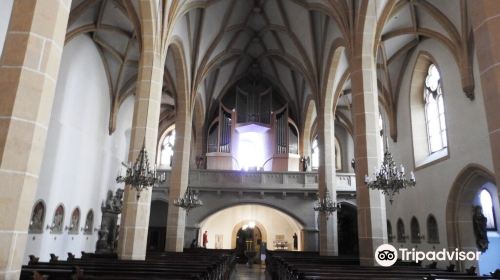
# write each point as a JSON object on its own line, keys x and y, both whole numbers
{"x": 479, "y": 223}
{"x": 305, "y": 163}
{"x": 75, "y": 221}
{"x": 200, "y": 162}
{"x": 89, "y": 223}
{"x": 57, "y": 221}
{"x": 37, "y": 218}
{"x": 111, "y": 209}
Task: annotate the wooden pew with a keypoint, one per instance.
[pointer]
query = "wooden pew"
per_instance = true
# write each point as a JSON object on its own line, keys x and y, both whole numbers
{"x": 297, "y": 266}
{"x": 199, "y": 265}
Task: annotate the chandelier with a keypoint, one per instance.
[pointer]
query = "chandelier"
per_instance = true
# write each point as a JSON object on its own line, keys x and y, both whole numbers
{"x": 326, "y": 205}
{"x": 189, "y": 201}
{"x": 140, "y": 176}
{"x": 388, "y": 178}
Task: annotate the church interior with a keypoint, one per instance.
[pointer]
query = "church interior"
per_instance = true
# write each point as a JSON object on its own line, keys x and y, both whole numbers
{"x": 249, "y": 139}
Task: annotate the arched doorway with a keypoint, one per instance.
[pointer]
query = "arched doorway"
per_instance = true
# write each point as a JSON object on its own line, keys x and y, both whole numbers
{"x": 157, "y": 226}
{"x": 464, "y": 197}
{"x": 248, "y": 238}
{"x": 348, "y": 230}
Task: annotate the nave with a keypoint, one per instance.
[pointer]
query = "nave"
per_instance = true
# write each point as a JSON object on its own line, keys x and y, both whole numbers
{"x": 136, "y": 130}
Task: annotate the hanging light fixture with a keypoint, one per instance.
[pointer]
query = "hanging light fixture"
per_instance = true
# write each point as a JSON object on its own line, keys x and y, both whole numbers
{"x": 189, "y": 201}
{"x": 140, "y": 176}
{"x": 388, "y": 178}
{"x": 326, "y": 205}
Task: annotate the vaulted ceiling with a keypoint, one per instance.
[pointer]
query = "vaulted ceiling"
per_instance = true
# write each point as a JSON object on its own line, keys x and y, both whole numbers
{"x": 287, "y": 41}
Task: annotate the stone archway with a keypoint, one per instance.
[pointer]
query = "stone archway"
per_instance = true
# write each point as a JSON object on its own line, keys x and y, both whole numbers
{"x": 459, "y": 221}
{"x": 272, "y": 223}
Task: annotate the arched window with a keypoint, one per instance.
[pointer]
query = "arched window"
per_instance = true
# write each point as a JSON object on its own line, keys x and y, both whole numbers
{"x": 432, "y": 230}
{"x": 315, "y": 154}
{"x": 293, "y": 139}
{"x": 434, "y": 111}
{"x": 381, "y": 130}
{"x": 167, "y": 149}
{"x": 415, "y": 230}
{"x": 389, "y": 231}
{"x": 487, "y": 205}
{"x": 401, "y": 231}
{"x": 338, "y": 155}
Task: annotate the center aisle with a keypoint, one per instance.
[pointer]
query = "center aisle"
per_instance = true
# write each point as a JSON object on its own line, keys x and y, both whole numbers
{"x": 257, "y": 272}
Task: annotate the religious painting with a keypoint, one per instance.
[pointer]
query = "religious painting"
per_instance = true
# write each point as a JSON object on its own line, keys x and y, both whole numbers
{"x": 37, "y": 218}
{"x": 57, "y": 220}
{"x": 89, "y": 222}
{"x": 74, "y": 222}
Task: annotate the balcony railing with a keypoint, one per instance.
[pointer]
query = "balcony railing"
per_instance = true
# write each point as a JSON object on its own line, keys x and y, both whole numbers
{"x": 233, "y": 179}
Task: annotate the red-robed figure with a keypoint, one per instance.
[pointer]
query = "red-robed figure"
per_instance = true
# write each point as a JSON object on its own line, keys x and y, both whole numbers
{"x": 205, "y": 239}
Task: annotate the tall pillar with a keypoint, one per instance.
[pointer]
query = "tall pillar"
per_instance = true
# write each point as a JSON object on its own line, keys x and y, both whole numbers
{"x": 328, "y": 244}
{"x": 371, "y": 204}
{"x": 135, "y": 214}
{"x": 176, "y": 220}
{"x": 485, "y": 16}
{"x": 372, "y": 231}
{"x": 28, "y": 74}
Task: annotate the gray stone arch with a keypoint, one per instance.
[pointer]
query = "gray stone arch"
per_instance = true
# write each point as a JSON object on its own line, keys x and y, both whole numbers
{"x": 459, "y": 225}
{"x": 253, "y": 202}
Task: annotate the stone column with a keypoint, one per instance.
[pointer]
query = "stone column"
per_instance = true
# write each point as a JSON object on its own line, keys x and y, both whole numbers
{"x": 310, "y": 239}
{"x": 485, "y": 16}
{"x": 192, "y": 232}
{"x": 176, "y": 220}
{"x": 135, "y": 214}
{"x": 28, "y": 75}
{"x": 372, "y": 231}
{"x": 326, "y": 181}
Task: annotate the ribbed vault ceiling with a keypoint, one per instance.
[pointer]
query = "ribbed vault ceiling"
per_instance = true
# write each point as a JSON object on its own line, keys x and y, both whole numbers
{"x": 286, "y": 41}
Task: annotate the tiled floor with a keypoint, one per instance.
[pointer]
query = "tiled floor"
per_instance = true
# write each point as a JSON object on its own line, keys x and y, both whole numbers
{"x": 257, "y": 272}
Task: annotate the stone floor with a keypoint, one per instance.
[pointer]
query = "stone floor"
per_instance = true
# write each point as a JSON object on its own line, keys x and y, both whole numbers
{"x": 257, "y": 272}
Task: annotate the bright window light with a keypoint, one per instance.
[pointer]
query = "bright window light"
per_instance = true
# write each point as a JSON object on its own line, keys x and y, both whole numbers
{"x": 487, "y": 205}
{"x": 251, "y": 150}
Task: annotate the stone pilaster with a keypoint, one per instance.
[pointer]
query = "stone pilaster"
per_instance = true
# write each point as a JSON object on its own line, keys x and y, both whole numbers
{"x": 371, "y": 204}
{"x": 485, "y": 16}
{"x": 28, "y": 74}
{"x": 176, "y": 220}
{"x": 310, "y": 239}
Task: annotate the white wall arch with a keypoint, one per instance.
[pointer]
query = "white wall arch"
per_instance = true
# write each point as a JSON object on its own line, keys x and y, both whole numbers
{"x": 81, "y": 159}
{"x": 5, "y": 11}
{"x": 273, "y": 221}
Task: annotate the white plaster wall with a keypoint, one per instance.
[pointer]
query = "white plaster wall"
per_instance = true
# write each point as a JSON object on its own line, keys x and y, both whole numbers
{"x": 467, "y": 139}
{"x": 5, "y": 11}
{"x": 273, "y": 222}
{"x": 81, "y": 159}
{"x": 346, "y": 147}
